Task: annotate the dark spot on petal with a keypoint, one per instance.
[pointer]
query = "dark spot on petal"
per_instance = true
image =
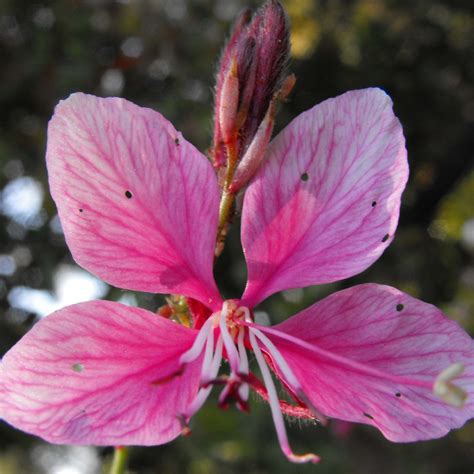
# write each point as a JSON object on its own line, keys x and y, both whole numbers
{"x": 398, "y": 394}
{"x": 304, "y": 177}
{"x": 176, "y": 140}
{"x": 81, "y": 210}
{"x": 399, "y": 307}
{"x": 385, "y": 238}
{"x": 128, "y": 194}
{"x": 374, "y": 203}
{"x": 370, "y": 417}
{"x": 77, "y": 367}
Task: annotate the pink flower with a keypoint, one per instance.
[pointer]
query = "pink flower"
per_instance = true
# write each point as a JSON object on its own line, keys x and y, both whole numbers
{"x": 139, "y": 208}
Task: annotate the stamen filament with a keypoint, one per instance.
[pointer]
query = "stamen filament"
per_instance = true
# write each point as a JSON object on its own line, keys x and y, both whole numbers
{"x": 275, "y": 353}
{"x": 208, "y": 354}
{"x": 340, "y": 360}
{"x": 275, "y": 407}
{"x": 288, "y": 374}
{"x": 286, "y": 408}
{"x": 232, "y": 353}
{"x": 216, "y": 362}
{"x": 207, "y": 374}
{"x": 195, "y": 351}
{"x": 244, "y": 364}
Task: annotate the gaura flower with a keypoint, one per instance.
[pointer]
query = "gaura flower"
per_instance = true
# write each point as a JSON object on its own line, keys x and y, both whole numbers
{"x": 139, "y": 208}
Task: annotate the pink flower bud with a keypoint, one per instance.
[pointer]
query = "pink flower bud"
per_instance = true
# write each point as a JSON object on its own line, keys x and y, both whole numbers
{"x": 258, "y": 49}
{"x": 229, "y": 104}
{"x": 218, "y": 151}
{"x": 255, "y": 153}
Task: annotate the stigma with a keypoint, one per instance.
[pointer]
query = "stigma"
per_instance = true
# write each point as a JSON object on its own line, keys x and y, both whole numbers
{"x": 445, "y": 389}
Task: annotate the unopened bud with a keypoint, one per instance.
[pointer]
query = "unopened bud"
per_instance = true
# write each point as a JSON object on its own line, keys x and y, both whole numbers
{"x": 251, "y": 72}
{"x": 255, "y": 153}
{"x": 218, "y": 151}
{"x": 229, "y": 104}
{"x": 446, "y": 390}
{"x": 271, "y": 31}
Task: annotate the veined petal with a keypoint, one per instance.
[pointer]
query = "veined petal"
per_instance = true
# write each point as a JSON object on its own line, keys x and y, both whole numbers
{"x": 372, "y": 354}
{"x": 137, "y": 202}
{"x": 100, "y": 373}
{"x": 325, "y": 204}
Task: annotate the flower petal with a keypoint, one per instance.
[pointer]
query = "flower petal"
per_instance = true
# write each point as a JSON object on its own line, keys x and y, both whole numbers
{"x": 371, "y": 354}
{"x": 90, "y": 374}
{"x": 325, "y": 204}
{"x": 138, "y": 203}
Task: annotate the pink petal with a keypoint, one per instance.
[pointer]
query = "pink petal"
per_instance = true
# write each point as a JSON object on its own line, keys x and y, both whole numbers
{"x": 138, "y": 203}
{"x": 325, "y": 204}
{"x": 87, "y": 374}
{"x": 371, "y": 354}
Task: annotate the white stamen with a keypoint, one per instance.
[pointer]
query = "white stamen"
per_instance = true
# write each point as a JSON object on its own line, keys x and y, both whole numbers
{"x": 198, "y": 402}
{"x": 244, "y": 364}
{"x": 275, "y": 353}
{"x": 208, "y": 354}
{"x": 216, "y": 362}
{"x": 229, "y": 345}
{"x": 206, "y": 375}
{"x": 195, "y": 351}
{"x": 275, "y": 406}
{"x": 342, "y": 360}
{"x": 246, "y": 312}
{"x": 288, "y": 374}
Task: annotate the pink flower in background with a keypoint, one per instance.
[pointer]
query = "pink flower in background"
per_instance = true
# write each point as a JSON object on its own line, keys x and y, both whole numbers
{"x": 139, "y": 208}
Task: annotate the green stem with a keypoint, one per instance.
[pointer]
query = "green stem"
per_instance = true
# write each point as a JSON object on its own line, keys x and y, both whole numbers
{"x": 227, "y": 198}
{"x": 120, "y": 460}
{"x": 225, "y": 208}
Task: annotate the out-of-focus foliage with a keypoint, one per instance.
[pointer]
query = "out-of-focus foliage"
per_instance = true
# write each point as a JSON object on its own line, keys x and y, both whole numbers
{"x": 161, "y": 54}
{"x": 455, "y": 216}
{"x": 306, "y": 27}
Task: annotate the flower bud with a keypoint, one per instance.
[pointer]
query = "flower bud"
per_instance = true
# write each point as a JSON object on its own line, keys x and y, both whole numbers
{"x": 228, "y": 108}
{"x": 251, "y": 72}
{"x": 255, "y": 153}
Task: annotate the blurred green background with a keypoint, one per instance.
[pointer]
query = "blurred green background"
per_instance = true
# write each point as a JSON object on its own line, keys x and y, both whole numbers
{"x": 162, "y": 54}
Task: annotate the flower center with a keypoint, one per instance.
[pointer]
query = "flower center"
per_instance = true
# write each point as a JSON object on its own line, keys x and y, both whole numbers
{"x": 228, "y": 333}
{"x": 223, "y": 331}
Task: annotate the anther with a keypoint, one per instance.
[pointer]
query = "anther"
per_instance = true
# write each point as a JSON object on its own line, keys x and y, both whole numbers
{"x": 446, "y": 390}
